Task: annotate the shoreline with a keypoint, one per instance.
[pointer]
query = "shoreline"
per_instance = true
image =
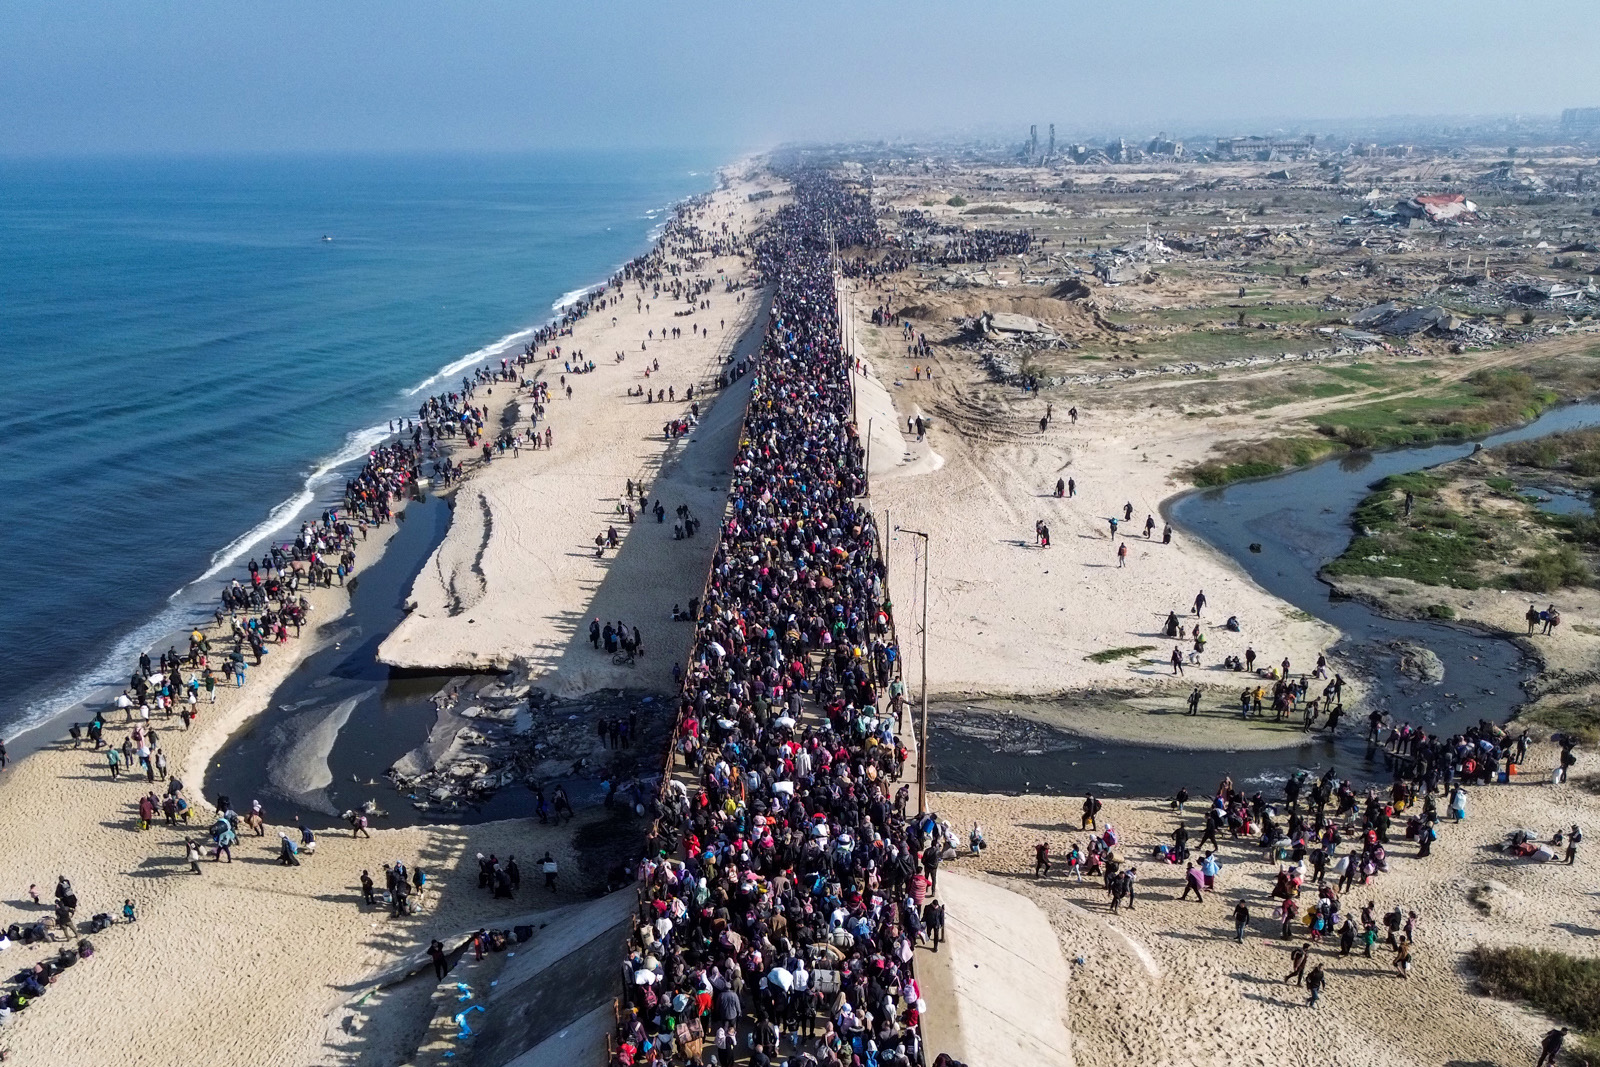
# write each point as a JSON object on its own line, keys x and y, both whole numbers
{"x": 308, "y": 941}
{"x": 193, "y": 602}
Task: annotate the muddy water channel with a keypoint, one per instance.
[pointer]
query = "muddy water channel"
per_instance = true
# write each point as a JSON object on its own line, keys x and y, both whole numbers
{"x": 1300, "y": 521}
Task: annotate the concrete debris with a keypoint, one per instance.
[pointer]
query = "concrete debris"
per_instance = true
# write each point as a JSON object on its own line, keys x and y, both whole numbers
{"x": 1397, "y": 320}
{"x": 1004, "y": 326}
{"x": 1439, "y": 207}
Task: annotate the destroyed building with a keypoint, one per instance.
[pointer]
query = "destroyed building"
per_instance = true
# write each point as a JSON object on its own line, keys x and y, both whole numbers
{"x": 1439, "y": 208}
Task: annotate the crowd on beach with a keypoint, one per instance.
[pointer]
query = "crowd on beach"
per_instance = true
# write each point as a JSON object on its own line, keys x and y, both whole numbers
{"x": 784, "y": 881}
{"x": 1331, "y": 843}
{"x": 255, "y": 614}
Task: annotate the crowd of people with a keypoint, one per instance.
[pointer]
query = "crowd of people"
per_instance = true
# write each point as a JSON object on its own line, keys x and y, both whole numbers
{"x": 783, "y": 881}
{"x": 1330, "y": 841}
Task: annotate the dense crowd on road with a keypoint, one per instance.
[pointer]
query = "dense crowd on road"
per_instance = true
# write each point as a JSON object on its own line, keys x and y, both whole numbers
{"x": 783, "y": 879}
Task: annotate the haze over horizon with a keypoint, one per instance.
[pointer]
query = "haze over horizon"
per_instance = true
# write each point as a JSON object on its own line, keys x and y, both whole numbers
{"x": 180, "y": 77}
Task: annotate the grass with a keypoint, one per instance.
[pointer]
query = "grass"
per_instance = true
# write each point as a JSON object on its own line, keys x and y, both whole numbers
{"x": 1434, "y": 546}
{"x": 1575, "y": 452}
{"x": 1362, "y": 374}
{"x": 1580, "y": 720}
{"x": 1204, "y": 346}
{"x": 1110, "y": 655}
{"x": 1486, "y": 400}
{"x": 1562, "y": 986}
{"x": 1259, "y": 459}
{"x": 993, "y": 209}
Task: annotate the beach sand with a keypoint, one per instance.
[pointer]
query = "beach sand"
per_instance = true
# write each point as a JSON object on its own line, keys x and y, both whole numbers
{"x": 516, "y": 581}
{"x": 1165, "y": 983}
{"x": 252, "y": 962}
{"x": 1006, "y": 616}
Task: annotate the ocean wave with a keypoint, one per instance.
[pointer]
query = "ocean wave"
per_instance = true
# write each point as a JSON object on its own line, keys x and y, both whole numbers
{"x": 357, "y": 443}
{"x": 488, "y": 351}
{"x": 111, "y": 672}
{"x": 570, "y": 297}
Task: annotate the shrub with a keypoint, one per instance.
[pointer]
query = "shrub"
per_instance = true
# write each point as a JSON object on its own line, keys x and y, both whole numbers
{"x": 1545, "y": 572}
{"x": 1566, "y": 987}
{"x": 957, "y": 201}
{"x": 1357, "y": 436}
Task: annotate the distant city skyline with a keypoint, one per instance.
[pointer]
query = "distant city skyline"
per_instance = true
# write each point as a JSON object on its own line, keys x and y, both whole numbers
{"x": 174, "y": 76}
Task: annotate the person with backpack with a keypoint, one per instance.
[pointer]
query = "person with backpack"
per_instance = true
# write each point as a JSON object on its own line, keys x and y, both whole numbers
{"x": 1314, "y": 983}
{"x": 1091, "y": 808}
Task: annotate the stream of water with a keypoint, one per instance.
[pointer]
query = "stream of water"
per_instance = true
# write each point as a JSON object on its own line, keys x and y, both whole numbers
{"x": 1300, "y": 520}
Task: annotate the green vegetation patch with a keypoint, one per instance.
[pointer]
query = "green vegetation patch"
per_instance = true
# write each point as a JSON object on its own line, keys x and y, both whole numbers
{"x": 1110, "y": 655}
{"x": 1433, "y": 545}
{"x": 1362, "y": 374}
{"x": 1545, "y": 572}
{"x": 1562, "y": 986}
{"x": 992, "y": 209}
{"x": 1580, "y": 720}
{"x": 1259, "y": 459}
{"x": 1575, "y": 452}
{"x": 1485, "y": 401}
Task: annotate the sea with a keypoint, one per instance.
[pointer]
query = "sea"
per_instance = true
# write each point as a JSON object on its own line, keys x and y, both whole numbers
{"x": 196, "y": 351}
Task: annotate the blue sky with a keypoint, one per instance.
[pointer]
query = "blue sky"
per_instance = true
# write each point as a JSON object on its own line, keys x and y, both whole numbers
{"x": 159, "y": 76}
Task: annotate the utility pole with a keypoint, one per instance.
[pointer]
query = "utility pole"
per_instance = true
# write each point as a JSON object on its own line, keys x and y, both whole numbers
{"x": 922, "y": 740}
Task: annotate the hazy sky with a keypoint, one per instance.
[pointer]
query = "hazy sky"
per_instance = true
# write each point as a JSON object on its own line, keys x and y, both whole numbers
{"x": 81, "y": 76}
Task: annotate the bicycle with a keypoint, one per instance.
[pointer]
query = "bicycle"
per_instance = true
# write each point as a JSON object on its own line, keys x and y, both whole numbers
{"x": 625, "y": 658}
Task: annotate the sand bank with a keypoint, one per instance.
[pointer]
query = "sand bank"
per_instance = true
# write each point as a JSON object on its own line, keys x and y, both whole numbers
{"x": 997, "y": 988}
{"x": 517, "y": 580}
{"x": 1008, "y": 616}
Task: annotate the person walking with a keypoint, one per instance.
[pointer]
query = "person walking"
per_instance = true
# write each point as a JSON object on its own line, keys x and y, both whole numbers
{"x": 1573, "y": 840}
{"x": 1314, "y": 983}
{"x": 548, "y": 865}
{"x": 441, "y": 965}
{"x": 192, "y": 851}
{"x": 1091, "y": 808}
{"x": 1550, "y": 1047}
{"x": 1241, "y": 919}
{"x": 933, "y": 921}
{"x": 1297, "y": 965}
{"x": 1192, "y": 883}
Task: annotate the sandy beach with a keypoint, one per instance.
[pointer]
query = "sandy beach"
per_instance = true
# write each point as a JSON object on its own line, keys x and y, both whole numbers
{"x": 517, "y": 580}
{"x": 253, "y": 962}
{"x": 1164, "y": 982}
{"x": 1007, "y": 616}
